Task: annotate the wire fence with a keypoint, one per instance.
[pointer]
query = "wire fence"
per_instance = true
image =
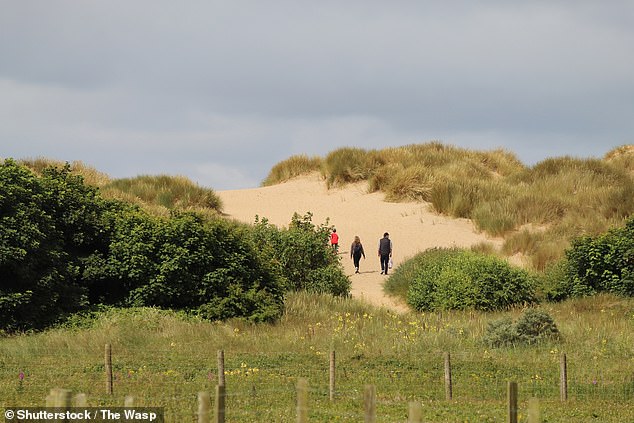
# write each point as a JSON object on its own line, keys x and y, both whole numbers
{"x": 263, "y": 387}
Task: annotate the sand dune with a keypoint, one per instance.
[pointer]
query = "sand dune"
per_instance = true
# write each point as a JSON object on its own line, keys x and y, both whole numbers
{"x": 353, "y": 211}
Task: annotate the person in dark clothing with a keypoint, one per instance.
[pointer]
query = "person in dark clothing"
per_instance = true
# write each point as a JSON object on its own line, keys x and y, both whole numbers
{"x": 356, "y": 251}
{"x": 385, "y": 252}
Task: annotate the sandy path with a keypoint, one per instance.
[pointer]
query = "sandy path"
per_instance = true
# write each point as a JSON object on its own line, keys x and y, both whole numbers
{"x": 412, "y": 227}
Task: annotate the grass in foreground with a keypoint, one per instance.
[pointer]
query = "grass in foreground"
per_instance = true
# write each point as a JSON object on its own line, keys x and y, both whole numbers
{"x": 164, "y": 359}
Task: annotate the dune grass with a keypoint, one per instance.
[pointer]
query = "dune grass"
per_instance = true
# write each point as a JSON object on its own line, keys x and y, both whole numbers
{"x": 164, "y": 359}
{"x": 90, "y": 175}
{"x": 164, "y": 192}
{"x": 292, "y": 167}
{"x": 158, "y": 194}
{"x": 537, "y": 210}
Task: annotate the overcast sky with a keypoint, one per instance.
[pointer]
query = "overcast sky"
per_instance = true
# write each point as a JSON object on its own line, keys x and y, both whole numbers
{"x": 220, "y": 91}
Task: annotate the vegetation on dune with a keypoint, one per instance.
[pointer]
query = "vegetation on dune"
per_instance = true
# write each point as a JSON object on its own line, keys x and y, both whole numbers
{"x": 169, "y": 192}
{"x": 455, "y": 279}
{"x": 538, "y": 209}
{"x": 292, "y": 167}
{"x": 64, "y": 248}
{"x": 157, "y": 194}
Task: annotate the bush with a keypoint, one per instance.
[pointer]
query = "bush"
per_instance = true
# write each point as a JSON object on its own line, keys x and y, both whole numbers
{"x": 186, "y": 262}
{"x": 461, "y": 279}
{"x": 51, "y": 226}
{"x": 301, "y": 255}
{"x": 603, "y": 263}
{"x": 64, "y": 249}
{"x": 533, "y": 327}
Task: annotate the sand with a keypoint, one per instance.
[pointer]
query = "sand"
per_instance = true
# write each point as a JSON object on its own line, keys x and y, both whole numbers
{"x": 413, "y": 226}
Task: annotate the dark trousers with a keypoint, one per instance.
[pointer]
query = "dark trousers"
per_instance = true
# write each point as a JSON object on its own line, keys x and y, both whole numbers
{"x": 356, "y": 258}
{"x": 385, "y": 259}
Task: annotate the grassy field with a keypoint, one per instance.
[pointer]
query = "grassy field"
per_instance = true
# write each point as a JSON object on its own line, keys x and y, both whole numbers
{"x": 164, "y": 359}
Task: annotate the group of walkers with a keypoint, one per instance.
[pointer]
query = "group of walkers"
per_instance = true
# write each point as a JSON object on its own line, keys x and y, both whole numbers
{"x": 356, "y": 251}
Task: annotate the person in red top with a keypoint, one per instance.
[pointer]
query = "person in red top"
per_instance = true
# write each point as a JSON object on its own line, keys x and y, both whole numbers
{"x": 334, "y": 240}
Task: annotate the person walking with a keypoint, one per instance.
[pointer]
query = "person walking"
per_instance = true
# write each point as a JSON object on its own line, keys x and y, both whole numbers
{"x": 334, "y": 241}
{"x": 356, "y": 251}
{"x": 385, "y": 252}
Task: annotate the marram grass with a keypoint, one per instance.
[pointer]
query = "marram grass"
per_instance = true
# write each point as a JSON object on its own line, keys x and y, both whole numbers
{"x": 558, "y": 199}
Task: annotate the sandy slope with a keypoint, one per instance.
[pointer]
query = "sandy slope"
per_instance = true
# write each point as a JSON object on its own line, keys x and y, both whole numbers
{"x": 412, "y": 226}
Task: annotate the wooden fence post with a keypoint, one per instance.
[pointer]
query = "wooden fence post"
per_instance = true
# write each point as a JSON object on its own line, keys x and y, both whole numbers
{"x": 302, "y": 400}
{"x": 512, "y": 402}
{"x": 221, "y": 396}
{"x": 332, "y": 375}
{"x": 204, "y": 404}
{"x": 128, "y": 401}
{"x": 108, "y": 368}
{"x": 533, "y": 411}
{"x": 369, "y": 401}
{"x": 563, "y": 378}
{"x": 415, "y": 414}
{"x": 448, "y": 383}
{"x": 81, "y": 400}
{"x": 221, "y": 368}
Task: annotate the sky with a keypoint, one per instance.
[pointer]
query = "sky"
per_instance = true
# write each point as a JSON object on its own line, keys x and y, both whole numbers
{"x": 221, "y": 91}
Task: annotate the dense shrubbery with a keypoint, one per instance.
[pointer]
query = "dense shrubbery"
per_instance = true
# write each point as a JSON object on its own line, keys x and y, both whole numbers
{"x": 63, "y": 248}
{"x": 301, "y": 255}
{"x": 50, "y": 226}
{"x": 593, "y": 264}
{"x": 447, "y": 279}
{"x": 533, "y": 327}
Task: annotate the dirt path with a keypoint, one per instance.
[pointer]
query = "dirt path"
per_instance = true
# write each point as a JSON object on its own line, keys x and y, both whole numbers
{"x": 412, "y": 226}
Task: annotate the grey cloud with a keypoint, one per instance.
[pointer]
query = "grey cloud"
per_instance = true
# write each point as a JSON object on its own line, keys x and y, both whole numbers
{"x": 242, "y": 85}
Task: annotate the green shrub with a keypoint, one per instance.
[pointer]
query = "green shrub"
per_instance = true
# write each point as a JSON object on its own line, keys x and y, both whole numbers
{"x": 461, "y": 279}
{"x": 64, "y": 249}
{"x": 328, "y": 280}
{"x": 301, "y": 255}
{"x": 51, "y": 226}
{"x": 603, "y": 263}
{"x": 186, "y": 262}
{"x": 533, "y": 327}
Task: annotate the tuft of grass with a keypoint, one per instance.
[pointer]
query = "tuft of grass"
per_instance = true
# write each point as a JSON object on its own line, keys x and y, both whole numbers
{"x": 292, "y": 167}
{"x": 90, "y": 175}
{"x": 164, "y": 192}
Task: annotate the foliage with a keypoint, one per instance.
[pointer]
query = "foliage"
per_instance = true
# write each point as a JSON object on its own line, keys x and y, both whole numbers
{"x": 185, "y": 262}
{"x": 63, "y": 249}
{"x": 454, "y": 279}
{"x": 50, "y": 226}
{"x": 602, "y": 263}
{"x": 534, "y": 326}
{"x": 301, "y": 255}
